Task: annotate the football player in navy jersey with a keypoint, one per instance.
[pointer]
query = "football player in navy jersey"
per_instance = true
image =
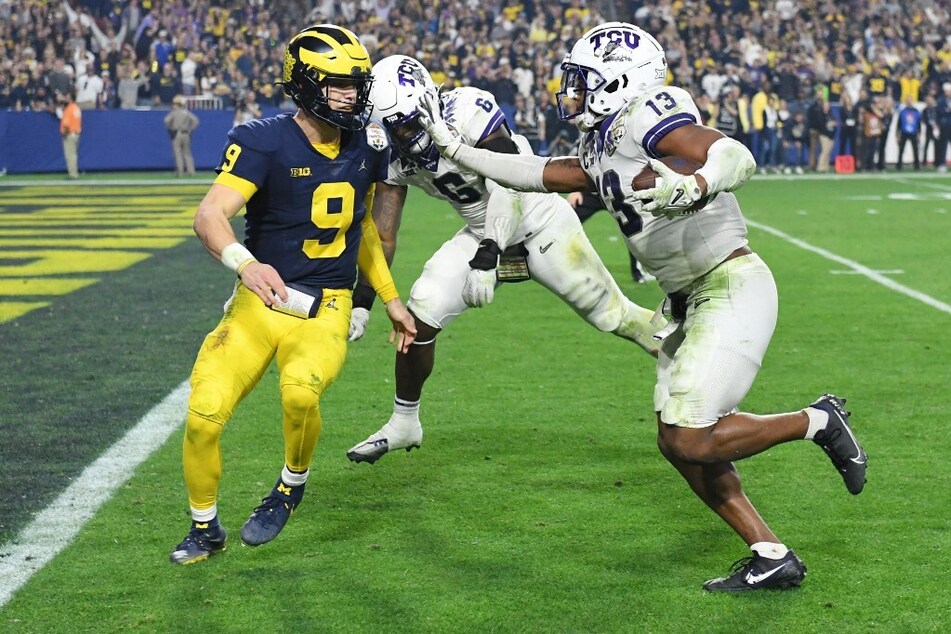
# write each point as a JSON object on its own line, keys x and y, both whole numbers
{"x": 306, "y": 181}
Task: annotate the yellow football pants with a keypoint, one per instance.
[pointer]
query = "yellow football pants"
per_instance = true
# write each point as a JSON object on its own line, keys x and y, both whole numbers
{"x": 232, "y": 359}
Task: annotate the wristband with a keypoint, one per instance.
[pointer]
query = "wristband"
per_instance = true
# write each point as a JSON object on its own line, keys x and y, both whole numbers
{"x": 363, "y": 296}
{"x": 486, "y": 256}
{"x": 236, "y": 256}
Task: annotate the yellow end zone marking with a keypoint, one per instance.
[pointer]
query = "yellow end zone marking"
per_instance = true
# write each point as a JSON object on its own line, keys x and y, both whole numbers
{"x": 83, "y": 231}
{"x": 11, "y": 287}
{"x": 11, "y": 310}
{"x": 63, "y": 262}
{"x": 57, "y": 240}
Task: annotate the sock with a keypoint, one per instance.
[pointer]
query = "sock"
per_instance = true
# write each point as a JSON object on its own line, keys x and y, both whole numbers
{"x": 292, "y": 478}
{"x": 769, "y": 550}
{"x": 406, "y": 409}
{"x": 818, "y": 419}
{"x": 205, "y": 516}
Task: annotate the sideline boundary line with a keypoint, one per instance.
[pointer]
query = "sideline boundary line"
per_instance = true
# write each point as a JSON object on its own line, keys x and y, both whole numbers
{"x": 57, "y": 525}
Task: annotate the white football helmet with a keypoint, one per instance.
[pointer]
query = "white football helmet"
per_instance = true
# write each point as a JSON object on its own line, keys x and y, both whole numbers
{"x": 398, "y": 83}
{"x": 610, "y": 65}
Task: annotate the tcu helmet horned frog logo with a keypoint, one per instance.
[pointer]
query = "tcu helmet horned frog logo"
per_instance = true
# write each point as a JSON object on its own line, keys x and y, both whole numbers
{"x": 610, "y": 43}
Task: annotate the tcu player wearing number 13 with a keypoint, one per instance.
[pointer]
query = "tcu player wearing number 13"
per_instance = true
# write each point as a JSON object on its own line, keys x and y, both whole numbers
{"x": 307, "y": 181}
{"x": 722, "y": 301}
{"x": 507, "y": 236}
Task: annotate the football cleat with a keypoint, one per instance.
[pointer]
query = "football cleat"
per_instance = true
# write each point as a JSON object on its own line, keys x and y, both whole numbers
{"x": 270, "y": 516}
{"x": 396, "y": 434}
{"x": 200, "y": 544}
{"x": 760, "y": 573}
{"x": 841, "y": 445}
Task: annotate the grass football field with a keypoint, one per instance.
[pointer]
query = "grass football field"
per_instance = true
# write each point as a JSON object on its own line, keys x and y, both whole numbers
{"x": 538, "y": 502}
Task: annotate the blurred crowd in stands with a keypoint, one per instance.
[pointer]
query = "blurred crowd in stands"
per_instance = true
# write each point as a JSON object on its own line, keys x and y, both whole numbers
{"x": 799, "y": 81}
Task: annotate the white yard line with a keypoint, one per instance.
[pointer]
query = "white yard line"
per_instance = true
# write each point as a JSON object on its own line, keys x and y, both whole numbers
{"x": 871, "y": 274}
{"x": 56, "y": 526}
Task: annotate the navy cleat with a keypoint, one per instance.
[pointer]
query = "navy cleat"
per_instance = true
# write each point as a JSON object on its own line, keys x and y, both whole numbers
{"x": 838, "y": 441}
{"x": 200, "y": 544}
{"x": 395, "y": 434}
{"x": 761, "y": 573}
{"x": 271, "y": 514}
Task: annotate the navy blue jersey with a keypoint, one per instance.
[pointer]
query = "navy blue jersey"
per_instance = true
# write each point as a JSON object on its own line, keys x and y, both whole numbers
{"x": 305, "y": 217}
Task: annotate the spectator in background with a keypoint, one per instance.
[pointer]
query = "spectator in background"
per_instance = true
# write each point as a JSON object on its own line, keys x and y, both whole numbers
{"x": 180, "y": 123}
{"x": 165, "y": 85}
{"x": 728, "y": 113}
{"x": 59, "y": 79}
{"x": 127, "y": 90}
{"x": 821, "y": 133}
{"x": 871, "y": 133}
{"x": 796, "y": 140}
{"x": 70, "y": 127}
{"x": 246, "y": 109}
{"x": 528, "y": 121}
{"x": 189, "y": 74}
{"x": 848, "y": 125}
{"x": 929, "y": 122}
{"x": 758, "y": 106}
{"x": 89, "y": 89}
{"x": 908, "y": 130}
{"x": 768, "y": 159}
{"x": 943, "y": 119}
{"x": 887, "y": 108}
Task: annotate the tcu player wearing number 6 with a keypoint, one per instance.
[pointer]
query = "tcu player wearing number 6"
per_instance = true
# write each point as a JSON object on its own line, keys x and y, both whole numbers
{"x": 508, "y": 236}
{"x": 722, "y": 297}
{"x": 307, "y": 181}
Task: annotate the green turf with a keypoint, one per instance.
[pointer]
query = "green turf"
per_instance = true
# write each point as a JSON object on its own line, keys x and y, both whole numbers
{"x": 539, "y": 502}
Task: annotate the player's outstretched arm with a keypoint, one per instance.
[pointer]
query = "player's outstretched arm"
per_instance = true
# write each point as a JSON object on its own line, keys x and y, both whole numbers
{"x": 387, "y": 213}
{"x": 524, "y": 172}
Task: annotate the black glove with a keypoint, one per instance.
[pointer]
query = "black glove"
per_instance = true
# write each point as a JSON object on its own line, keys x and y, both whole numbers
{"x": 486, "y": 256}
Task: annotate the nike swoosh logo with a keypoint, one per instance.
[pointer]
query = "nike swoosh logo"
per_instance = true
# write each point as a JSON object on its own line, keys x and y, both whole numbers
{"x": 546, "y": 247}
{"x": 700, "y": 301}
{"x": 753, "y": 579}
{"x": 677, "y": 197}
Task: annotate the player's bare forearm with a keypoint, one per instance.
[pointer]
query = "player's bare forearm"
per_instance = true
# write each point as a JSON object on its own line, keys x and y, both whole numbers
{"x": 387, "y": 215}
{"x": 212, "y": 219}
{"x": 565, "y": 175}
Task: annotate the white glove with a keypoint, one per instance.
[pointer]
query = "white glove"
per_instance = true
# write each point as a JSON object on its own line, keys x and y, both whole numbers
{"x": 359, "y": 317}
{"x": 430, "y": 116}
{"x": 479, "y": 288}
{"x": 674, "y": 195}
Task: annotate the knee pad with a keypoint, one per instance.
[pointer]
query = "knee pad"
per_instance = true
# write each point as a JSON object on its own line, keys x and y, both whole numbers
{"x": 299, "y": 399}
{"x": 206, "y": 401}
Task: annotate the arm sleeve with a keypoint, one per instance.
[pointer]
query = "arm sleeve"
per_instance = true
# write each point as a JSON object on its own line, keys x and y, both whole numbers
{"x": 370, "y": 259}
{"x": 524, "y": 172}
{"x": 503, "y": 214}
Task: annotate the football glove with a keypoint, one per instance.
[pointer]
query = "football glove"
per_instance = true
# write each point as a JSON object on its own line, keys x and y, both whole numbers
{"x": 359, "y": 318}
{"x": 479, "y": 288}
{"x": 673, "y": 196}
{"x": 430, "y": 116}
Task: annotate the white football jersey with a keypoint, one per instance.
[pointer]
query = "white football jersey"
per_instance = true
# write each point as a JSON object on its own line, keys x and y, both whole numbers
{"x": 679, "y": 250}
{"x": 474, "y": 114}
